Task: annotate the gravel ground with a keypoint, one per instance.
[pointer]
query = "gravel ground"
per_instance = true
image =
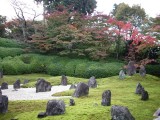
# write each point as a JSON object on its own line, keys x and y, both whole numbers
{"x": 30, "y": 93}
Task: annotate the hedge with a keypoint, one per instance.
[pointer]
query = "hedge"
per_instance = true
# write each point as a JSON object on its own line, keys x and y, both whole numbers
{"x": 153, "y": 69}
{"x": 54, "y": 65}
{"x": 11, "y": 43}
{"x": 5, "y": 52}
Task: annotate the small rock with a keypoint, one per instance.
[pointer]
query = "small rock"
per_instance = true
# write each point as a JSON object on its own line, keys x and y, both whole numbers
{"x": 71, "y": 102}
{"x": 92, "y": 82}
{"x": 106, "y": 98}
{"x": 16, "y": 85}
{"x": 142, "y": 71}
{"x": 145, "y": 95}
{"x": 41, "y": 115}
{"x": 26, "y": 81}
{"x": 139, "y": 89}
{"x": 3, "y": 104}
{"x": 131, "y": 69}
{"x": 72, "y": 86}
{"x": 4, "y": 85}
{"x": 64, "y": 80}
{"x": 121, "y": 75}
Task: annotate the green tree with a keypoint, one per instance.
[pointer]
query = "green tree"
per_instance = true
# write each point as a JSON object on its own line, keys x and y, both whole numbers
{"x": 134, "y": 14}
{"x": 82, "y": 6}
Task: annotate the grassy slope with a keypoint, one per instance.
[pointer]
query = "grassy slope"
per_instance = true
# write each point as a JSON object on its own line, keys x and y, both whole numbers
{"x": 86, "y": 107}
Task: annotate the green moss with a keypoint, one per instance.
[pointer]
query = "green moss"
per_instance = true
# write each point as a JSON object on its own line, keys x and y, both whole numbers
{"x": 89, "y": 107}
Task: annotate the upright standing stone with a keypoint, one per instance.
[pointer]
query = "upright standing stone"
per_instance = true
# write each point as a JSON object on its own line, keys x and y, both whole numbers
{"x": 64, "y": 80}
{"x": 145, "y": 95}
{"x": 4, "y": 85}
{"x": 82, "y": 89}
{"x": 106, "y": 98}
{"x": 1, "y": 74}
{"x": 120, "y": 113}
{"x": 142, "y": 71}
{"x": 55, "y": 107}
{"x": 131, "y": 69}
{"x": 16, "y": 85}
{"x": 71, "y": 102}
{"x": 92, "y": 82}
{"x": 43, "y": 86}
{"x": 139, "y": 89}
{"x": 121, "y": 75}
{"x": 3, "y": 104}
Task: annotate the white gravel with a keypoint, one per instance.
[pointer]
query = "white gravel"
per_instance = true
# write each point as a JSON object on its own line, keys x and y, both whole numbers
{"x": 30, "y": 93}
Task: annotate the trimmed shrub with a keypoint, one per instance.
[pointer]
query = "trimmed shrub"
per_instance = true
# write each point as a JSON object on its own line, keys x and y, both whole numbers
{"x": 153, "y": 69}
{"x": 4, "y": 52}
{"x": 80, "y": 69}
{"x": 70, "y": 67}
{"x": 14, "y": 66}
{"x": 10, "y": 43}
{"x": 55, "y": 69}
{"x": 54, "y": 65}
{"x": 100, "y": 70}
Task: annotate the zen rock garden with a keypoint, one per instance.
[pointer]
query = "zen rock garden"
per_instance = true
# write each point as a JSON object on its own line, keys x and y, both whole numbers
{"x": 58, "y": 107}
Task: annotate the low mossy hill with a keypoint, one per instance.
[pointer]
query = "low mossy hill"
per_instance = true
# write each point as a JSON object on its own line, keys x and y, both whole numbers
{"x": 89, "y": 107}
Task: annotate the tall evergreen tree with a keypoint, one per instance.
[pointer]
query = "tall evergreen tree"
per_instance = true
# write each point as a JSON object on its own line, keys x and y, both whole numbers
{"x": 82, "y": 6}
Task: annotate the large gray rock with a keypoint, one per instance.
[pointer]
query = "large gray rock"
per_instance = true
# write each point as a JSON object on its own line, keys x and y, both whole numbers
{"x": 4, "y": 85}
{"x": 16, "y": 85}
{"x": 139, "y": 89}
{"x": 131, "y": 69}
{"x": 64, "y": 80}
{"x": 43, "y": 86}
{"x": 142, "y": 71}
{"x": 106, "y": 98}
{"x": 55, "y": 107}
{"x": 121, "y": 74}
{"x": 120, "y": 113}
{"x": 1, "y": 74}
{"x": 82, "y": 89}
{"x": 3, "y": 104}
{"x": 92, "y": 82}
